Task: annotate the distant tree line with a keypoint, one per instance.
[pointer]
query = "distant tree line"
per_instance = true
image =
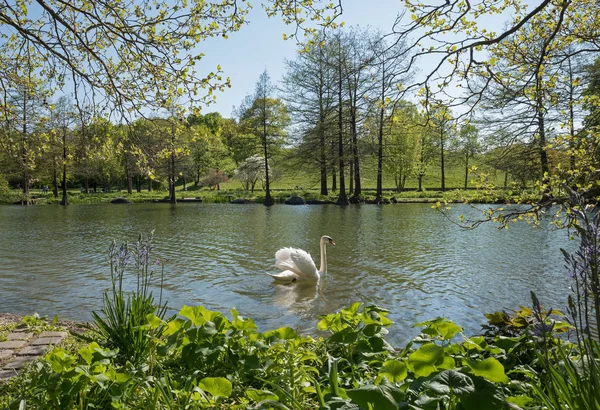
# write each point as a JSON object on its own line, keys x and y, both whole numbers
{"x": 341, "y": 110}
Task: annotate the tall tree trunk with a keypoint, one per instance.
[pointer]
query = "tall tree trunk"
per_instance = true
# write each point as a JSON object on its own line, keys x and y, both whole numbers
{"x": 333, "y": 169}
{"x": 172, "y": 197}
{"x": 24, "y": 153}
{"x": 54, "y": 178}
{"x": 342, "y": 198}
{"x": 466, "y": 169}
{"x": 541, "y": 139}
{"x": 65, "y": 199}
{"x": 321, "y": 128}
{"x": 572, "y": 145}
{"x": 379, "y": 193}
{"x": 443, "y": 168}
{"x": 355, "y": 159}
{"x": 149, "y": 184}
{"x": 351, "y": 176}
{"x": 268, "y": 199}
{"x": 420, "y": 180}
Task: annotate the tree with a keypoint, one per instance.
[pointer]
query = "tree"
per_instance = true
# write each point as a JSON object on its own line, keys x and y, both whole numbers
{"x": 402, "y": 143}
{"x": 62, "y": 121}
{"x": 468, "y": 140}
{"x": 441, "y": 124}
{"x": 266, "y": 118}
{"x": 308, "y": 87}
{"x": 250, "y": 171}
{"x": 389, "y": 63}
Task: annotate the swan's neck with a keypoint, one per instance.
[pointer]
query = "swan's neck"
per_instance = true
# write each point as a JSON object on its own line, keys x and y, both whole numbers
{"x": 323, "y": 268}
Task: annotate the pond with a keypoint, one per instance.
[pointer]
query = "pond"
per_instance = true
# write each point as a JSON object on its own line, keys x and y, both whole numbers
{"x": 405, "y": 257}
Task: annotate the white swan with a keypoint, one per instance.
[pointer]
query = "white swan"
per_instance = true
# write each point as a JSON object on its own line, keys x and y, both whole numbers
{"x": 298, "y": 265}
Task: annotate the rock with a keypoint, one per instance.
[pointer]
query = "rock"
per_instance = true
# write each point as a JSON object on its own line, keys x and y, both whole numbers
{"x": 19, "y": 336}
{"x": 20, "y": 362}
{"x": 239, "y": 201}
{"x": 120, "y": 200}
{"x": 295, "y": 200}
{"x": 12, "y": 344}
{"x": 7, "y": 374}
{"x": 34, "y": 350}
{"x": 53, "y": 334}
{"x": 46, "y": 341}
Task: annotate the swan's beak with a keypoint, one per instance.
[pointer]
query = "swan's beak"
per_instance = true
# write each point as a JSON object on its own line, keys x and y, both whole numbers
{"x": 332, "y": 242}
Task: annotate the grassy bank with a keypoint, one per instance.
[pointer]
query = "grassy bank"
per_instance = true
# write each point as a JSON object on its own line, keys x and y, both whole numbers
{"x": 279, "y": 195}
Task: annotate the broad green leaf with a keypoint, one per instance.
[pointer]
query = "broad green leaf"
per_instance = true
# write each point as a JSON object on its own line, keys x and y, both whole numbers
{"x": 283, "y": 333}
{"x": 448, "y": 329}
{"x": 385, "y": 396}
{"x": 394, "y": 370}
{"x": 198, "y": 314}
{"x": 452, "y": 382}
{"x": 489, "y": 368}
{"x": 153, "y": 321}
{"x": 87, "y": 352}
{"x": 447, "y": 363}
{"x": 173, "y": 326}
{"x": 60, "y": 360}
{"x": 193, "y": 314}
{"x": 261, "y": 395}
{"x": 216, "y": 386}
{"x": 422, "y": 361}
{"x": 487, "y": 395}
{"x": 521, "y": 401}
{"x": 240, "y": 323}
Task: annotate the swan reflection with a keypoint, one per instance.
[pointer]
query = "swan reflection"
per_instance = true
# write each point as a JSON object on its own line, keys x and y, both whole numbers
{"x": 296, "y": 297}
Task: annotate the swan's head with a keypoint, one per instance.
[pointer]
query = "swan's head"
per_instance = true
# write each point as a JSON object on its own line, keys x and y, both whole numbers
{"x": 327, "y": 239}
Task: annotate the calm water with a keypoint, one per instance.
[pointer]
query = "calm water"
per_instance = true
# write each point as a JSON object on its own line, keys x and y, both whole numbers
{"x": 404, "y": 257}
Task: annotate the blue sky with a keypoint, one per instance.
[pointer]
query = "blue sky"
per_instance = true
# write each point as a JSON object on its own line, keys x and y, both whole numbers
{"x": 259, "y": 46}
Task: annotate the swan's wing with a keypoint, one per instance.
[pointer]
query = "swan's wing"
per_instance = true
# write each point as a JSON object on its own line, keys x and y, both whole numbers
{"x": 298, "y": 261}
{"x": 283, "y": 260}
{"x": 285, "y": 276}
{"x": 304, "y": 262}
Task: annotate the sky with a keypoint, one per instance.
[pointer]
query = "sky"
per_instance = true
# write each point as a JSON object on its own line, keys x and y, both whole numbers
{"x": 260, "y": 45}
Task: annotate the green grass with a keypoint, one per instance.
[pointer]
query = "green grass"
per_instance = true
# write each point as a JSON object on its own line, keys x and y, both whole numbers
{"x": 285, "y": 185}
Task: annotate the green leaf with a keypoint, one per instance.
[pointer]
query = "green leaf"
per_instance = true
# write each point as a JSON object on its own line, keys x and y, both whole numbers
{"x": 448, "y": 329}
{"x": 487, "y": 396}
{"x": 153, "y": 321}
{"x": 216, "y": 386}
{"x": 283, "y": 333}
{"x": 489, "y": 368}
{"x": 60, "y": 360}
{"x": 452, "y": 382}
{"x": 385, "y": 396}
{"x": 521, "y": 401}
{"x": 87, "y": 352}
{"x": 198, "y": 314}
{"x": 261, "y": 395}
{"x": 422, "y": 361}
{"x": 192, "y": 314}
{"x": 394, "y": 370}
{"x": 240, "y": 323}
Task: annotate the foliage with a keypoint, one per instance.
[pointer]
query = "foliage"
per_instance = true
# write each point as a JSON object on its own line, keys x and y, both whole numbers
{"x": 202, "y": 359}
